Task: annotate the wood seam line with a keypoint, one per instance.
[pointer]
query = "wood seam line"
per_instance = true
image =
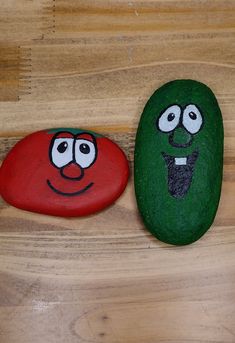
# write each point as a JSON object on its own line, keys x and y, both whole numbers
{"x": 25, "y": 72}
{"x": 49, "y": 18}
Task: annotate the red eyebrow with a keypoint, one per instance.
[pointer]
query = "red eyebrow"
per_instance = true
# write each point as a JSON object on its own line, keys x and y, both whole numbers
{"x": 65, "y": 135}
{"x": 86, "y": 136}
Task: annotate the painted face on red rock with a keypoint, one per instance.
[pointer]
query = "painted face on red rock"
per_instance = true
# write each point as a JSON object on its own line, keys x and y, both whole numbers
{"x": 63, "y": 172}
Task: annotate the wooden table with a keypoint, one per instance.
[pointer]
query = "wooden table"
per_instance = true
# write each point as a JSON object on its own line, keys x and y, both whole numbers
{"x": 104, "y": 278}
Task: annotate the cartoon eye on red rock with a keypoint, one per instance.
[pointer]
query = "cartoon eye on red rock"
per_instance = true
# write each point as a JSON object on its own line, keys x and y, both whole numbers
{"x": 63, "y": 172}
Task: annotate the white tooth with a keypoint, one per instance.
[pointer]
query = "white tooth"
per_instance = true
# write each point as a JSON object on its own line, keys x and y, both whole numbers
{"x": 180, "y": 161}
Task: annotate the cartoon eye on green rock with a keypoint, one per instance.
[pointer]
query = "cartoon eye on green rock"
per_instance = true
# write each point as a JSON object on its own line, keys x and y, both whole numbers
{"x": 179, "y": 161}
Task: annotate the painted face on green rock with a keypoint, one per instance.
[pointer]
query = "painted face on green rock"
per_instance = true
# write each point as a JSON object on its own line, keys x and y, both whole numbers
{"x": 180, "y": 125}
{"x": 178, "y": 161}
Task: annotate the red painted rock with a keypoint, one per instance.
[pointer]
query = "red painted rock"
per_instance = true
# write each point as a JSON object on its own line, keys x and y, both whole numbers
{"x": 63, "y": 172}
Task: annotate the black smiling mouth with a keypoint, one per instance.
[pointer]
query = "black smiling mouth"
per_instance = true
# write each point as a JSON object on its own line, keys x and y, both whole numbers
{"x": 81, "y": 191}
{"x": 180, "y": 173}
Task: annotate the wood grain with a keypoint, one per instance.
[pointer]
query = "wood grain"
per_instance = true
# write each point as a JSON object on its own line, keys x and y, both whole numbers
{"x": 9, "y": 73}
{"x": 105, "y": 278}
{"x": 15, "y": 72}
{"x": 25, "y": 20}
{"x": 92, "y": 17}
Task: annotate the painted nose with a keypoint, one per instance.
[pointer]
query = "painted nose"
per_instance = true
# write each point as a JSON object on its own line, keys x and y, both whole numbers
{"x": 180, "y": 138}
{"x": 72, "y": 171}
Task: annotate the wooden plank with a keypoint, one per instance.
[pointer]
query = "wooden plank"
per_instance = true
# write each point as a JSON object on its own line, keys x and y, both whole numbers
{"x": 113, "y": 323}
{"x": 117, "y": 18}
{"x": 78, "y": 71}
{"x": 111, "y": 81}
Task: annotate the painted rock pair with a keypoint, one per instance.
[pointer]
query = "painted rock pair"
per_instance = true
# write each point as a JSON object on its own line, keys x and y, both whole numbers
{"x": 179, "y": 161}
{"x": 63, "y": 172}
{"x": 178, "y": 166}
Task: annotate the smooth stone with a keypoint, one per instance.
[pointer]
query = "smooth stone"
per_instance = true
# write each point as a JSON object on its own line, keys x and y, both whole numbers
{"x": 63, "y": 172}
{"x": 179, "y": 161}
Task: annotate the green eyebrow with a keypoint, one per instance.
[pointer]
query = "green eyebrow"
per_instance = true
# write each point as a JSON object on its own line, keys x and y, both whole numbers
{"x": 74, "y": 131}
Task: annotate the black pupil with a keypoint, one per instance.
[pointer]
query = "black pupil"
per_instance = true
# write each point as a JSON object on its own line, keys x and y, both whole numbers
{"x": 170, "y": 117}
{"x": 62, "y": 147}
{"x": 84, "y": 148}
{"x": 192, "y": 115}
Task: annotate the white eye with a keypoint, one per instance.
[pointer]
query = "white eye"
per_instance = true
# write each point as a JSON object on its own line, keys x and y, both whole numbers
{"x": 169, "y": 119}
{"x": 85, "y": 152}
{"x": 192, "y": 119}
{"x": 62, "y": 151}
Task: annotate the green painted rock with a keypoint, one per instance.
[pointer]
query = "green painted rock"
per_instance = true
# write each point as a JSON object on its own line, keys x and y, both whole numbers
{"x": 179, "y": 161}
